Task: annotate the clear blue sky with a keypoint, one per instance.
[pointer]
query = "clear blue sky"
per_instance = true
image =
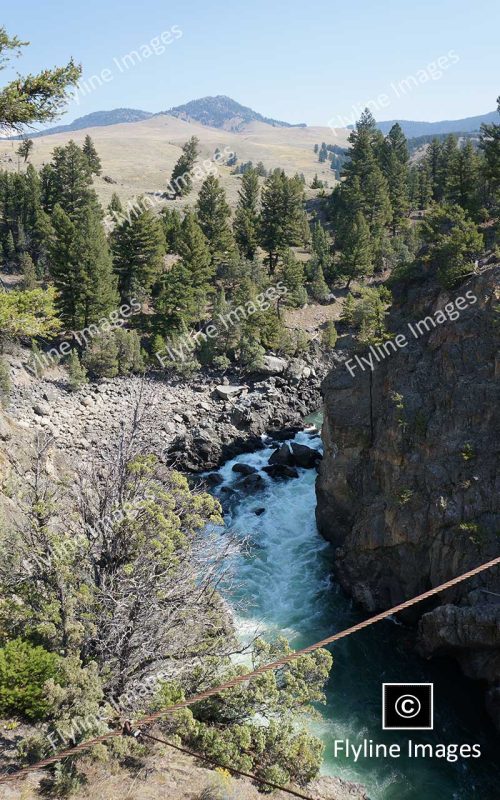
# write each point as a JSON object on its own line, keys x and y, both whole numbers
{"x": 297, "y": 61}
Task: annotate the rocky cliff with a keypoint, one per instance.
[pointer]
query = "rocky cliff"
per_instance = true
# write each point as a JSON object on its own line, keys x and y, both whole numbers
{"x": 408, "y": 487}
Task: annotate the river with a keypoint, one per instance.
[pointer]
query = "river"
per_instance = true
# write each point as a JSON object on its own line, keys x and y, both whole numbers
{"x": 285, "y": 586}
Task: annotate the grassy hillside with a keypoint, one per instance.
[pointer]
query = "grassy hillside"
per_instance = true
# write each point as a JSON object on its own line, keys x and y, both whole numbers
{"x": 140, "y": 156}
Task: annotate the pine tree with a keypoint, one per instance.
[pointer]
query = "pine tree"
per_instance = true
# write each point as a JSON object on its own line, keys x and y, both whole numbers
{"x": 395, "y": 163}
{"x": 171, "y": 222}
{"x": 98, "y": 295}
{"x": 181, "y": 181}
{"x": 490, "y": 146}
{"x": 101, "y": 358}
{"x": 356, "y": 257}
{"x": 292, "y": 275}
{"x": 377, "y": 204}
{"x": 462, "y": 179}
{"x": 316, "y": 183}
{"x": 77, "y": 374}
{"x": 67, "y": 180}
{"x": 34, "y": 98}
{"x": 91, "y": 155}
{"x": 329, "y": 334}
{"x": 25, "y": 148}
{"x": 318, "y": 288}
{"x": 28, "y": 271}
{"x": 246, "y": 220}
{"x": 176, "y": 307}
{"x": 115, "y": 207}
{"x": 194, "y": 251}
{"x": 433, "y": 162}
{"x": 321, "y": 249}
{"x": 138, "y": 247}
{"x": 9, "y": 249}
{"x": 281, "y": 217}
{"x": 348, "y": 309}
{"x": 213, "y": 218}
{"x": 323, "y": 153}
{"x": 81, "y": 267}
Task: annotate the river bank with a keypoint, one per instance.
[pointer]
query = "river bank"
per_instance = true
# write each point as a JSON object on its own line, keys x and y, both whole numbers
{"x": 196, "y": 423}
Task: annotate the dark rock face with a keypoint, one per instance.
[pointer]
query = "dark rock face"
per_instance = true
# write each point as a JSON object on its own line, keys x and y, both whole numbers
{"x": 408, "y": 486}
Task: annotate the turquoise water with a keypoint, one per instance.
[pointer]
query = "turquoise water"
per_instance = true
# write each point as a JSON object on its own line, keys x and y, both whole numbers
{"x": 284, "y": 586}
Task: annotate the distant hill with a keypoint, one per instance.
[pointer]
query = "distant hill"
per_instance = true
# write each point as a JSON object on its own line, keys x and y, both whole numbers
{"x": 412, "y": 128}
{"x": 97, "y": 119}
{"x": 222, "y": 112}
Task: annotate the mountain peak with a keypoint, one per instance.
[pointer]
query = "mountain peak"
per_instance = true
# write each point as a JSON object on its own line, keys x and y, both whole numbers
{"x": 221, "y": 111}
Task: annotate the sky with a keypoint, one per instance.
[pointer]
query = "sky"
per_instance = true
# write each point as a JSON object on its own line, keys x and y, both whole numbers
{"x": 316, "y": 62}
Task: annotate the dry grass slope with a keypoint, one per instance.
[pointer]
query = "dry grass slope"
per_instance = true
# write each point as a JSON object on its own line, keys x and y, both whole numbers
{"x": 140, "y": 156}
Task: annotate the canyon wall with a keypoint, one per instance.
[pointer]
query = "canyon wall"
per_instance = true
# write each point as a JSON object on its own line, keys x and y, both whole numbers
{"x": 408, "y": 490}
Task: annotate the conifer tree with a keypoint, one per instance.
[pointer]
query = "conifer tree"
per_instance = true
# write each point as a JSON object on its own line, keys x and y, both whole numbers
{"x": 115, "y": 207}
{"x": 356, "y": 257}
{"x": 213, "y": 215}
{"x": 67, "y": 180}
{"x": 90, "y": 153}
{"x": 98, "y": 295}
{"x": 194, "y": 251}
{"x": 292, "y": 275}
{"x": 321, "y": 249}
{"x": 77, "y": 374}
{"x": 433, "y": 161}
{"x": 490, "y": 146}
{"x": 28, "y": 271}
{"x": 138, "y": 247}
{"x": 181, "y": 181}
{"x": 462, "y": 179}
{"x": 281, "y": 216}
{"x": 81, "y": 267}
{"x": 171, "y": 222}
{"x": 318, "y": 288}
{"x": 176, "y": 307}
{"x": 395, "y": 161}
{"x": 9, "y": 249}
{"x": 24, "y": 149}
{"x": 34, "y": 98}
{"x": 246, "y": 220}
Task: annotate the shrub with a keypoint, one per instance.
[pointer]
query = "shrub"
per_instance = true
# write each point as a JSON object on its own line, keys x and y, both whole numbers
{"x": 101, "y": 358}
{"x": 329, "y": 335}
{"x": 77, "y": 374}
{"x": 24, "y": 669}
{"x": 251, "y": 354}
{"x": 129, "y": 352}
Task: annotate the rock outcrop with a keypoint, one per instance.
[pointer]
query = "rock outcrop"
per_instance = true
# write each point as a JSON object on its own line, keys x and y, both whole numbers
{"x": 408, "y": 488}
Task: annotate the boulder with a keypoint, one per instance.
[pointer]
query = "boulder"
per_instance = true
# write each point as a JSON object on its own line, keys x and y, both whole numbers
{"x": 272, "y": 365}
{"x": 250, "y": 483}
{"x": 304, "y": 456}
{"x": 213, "y": 479}
{"x": 226, "y": 392}
{"x": 285, "y": 433}
{"x": 281, "y": 471}
{"x": 283, "y": 455}
{"x": 244, "y": 469}
{"x": 42, "y": 409}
